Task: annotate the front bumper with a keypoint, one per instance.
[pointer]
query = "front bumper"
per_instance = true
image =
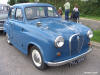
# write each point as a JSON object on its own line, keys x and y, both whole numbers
{"x": 69, "y": 60}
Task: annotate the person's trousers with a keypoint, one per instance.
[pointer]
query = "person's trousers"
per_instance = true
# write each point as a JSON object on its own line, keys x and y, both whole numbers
{"x": 67, "y": 14}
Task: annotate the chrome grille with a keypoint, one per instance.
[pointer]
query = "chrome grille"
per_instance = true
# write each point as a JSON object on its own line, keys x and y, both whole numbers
{"x": 75, "y": 44}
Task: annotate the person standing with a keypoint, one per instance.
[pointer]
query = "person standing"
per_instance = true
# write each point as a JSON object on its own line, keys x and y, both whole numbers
{"x": 76, "y": 13}
{"x": 67, "y": 9}
{"x": 60, "y": 12}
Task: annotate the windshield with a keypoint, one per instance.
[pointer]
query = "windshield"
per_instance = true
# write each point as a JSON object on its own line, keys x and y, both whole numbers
{"x": 1, "y": 8}
{"x": 40, "y": 12}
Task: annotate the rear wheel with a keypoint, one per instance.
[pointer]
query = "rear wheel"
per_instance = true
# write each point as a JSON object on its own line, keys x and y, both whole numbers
{"x": 37, "y": 58}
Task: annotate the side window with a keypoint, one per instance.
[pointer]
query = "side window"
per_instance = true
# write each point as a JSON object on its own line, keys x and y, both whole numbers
{"x": 19, "y": 15}
{"x": 12, "y": 13}
{"x": 50, "y": 11}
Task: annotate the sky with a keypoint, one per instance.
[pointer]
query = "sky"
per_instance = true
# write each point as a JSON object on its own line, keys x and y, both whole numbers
{"x": 3, "y": 1}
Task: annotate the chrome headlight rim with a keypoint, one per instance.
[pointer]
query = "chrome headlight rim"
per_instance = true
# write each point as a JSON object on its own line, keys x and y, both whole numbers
{"x": 59, "y": 41}
{"x": 90, "y": 34}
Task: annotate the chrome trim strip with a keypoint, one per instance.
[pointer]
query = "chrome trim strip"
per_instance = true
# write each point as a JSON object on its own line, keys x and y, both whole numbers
{"x": 70, "y": 39}
{"x": 78, "y": 39}
{"x": 81, "y": 45}
{"x": 69, "y": 60}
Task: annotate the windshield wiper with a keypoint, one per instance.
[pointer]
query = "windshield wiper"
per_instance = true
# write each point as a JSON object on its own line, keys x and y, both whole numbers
{"x": 44, "y": 17}
{"x": 33, "y": 18}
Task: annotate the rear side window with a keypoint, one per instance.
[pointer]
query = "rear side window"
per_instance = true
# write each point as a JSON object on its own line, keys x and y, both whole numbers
{"x": 19, "y": 15}
{"x": 12, "y": 13}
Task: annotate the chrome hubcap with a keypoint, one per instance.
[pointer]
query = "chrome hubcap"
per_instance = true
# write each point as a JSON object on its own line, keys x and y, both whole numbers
{"x": 36, "y": 57}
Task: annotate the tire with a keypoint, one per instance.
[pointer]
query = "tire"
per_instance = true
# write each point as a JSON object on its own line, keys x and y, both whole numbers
{"x": 8, "y": 40}
{"x": 37, "y": 58}
{"x": 4, "y": 33}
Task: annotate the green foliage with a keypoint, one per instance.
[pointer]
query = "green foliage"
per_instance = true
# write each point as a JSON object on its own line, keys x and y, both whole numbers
{"x": 96, "y": 36}
{"x": 90, "y": 17}
{"x": 31, "y": 0}
{"x": 90, "y": 7}
{"x": 22, "y": 1}
{"x": 11, "y": 2}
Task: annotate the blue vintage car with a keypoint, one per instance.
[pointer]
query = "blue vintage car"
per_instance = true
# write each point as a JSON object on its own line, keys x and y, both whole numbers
{"x": 36, "y": 29}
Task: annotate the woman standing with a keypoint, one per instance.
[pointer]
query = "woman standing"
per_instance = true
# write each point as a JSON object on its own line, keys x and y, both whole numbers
{"x": 75, "y": 14}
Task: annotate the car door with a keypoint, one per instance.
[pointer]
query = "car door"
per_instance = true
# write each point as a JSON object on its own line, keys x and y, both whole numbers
{"x": 18, "y": 28}
{"x": 9, "y": 24}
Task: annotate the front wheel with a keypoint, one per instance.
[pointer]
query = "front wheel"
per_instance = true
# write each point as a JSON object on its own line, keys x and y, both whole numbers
{"x": 37, "y": 58}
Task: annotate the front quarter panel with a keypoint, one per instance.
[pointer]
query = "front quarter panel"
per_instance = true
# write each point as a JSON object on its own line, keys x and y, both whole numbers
{"x": 37, "y": 37}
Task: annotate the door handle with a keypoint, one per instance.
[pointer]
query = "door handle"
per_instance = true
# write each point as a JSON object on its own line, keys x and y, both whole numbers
{"x": 22, "y": 29}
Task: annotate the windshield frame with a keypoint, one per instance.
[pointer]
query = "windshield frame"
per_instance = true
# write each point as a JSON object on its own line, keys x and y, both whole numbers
{"x": 45, "y": 11}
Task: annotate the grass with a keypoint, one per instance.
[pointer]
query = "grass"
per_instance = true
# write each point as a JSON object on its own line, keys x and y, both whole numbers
{"x": 96, "y": 36}
{"x": 90, "y": 17}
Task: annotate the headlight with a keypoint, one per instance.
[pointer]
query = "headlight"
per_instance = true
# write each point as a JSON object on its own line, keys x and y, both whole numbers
{"x": 59, "y": 41}
{"x": 90, "y": 34}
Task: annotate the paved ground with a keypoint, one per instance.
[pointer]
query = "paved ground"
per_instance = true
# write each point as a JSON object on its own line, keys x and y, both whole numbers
{"x": 13, "y": 62}
{"x": 91, "y": 23}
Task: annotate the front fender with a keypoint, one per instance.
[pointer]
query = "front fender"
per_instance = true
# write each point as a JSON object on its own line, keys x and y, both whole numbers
{"x": 38, "y": 46}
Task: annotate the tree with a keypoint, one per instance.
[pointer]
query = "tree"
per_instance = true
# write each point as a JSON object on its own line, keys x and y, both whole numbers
{"x": 11, "y": 2}
{"x": 22, "y": 1}
{"x": 98, "y": 1}
{"x": 31, "y": 0}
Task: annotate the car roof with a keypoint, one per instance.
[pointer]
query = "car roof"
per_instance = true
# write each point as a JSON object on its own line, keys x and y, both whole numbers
{"x": 23, "y": 5}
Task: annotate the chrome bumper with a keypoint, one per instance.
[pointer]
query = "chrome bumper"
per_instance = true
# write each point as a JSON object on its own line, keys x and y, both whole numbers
{"x": 69, "y": 60}
{"x": 1, "y": 28}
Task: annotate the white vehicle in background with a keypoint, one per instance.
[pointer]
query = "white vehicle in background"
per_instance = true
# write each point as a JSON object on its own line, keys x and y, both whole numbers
{"x": 3, "y": 14}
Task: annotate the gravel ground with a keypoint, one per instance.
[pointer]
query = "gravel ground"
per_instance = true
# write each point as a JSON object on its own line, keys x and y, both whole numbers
{"x": 93, "y": 24}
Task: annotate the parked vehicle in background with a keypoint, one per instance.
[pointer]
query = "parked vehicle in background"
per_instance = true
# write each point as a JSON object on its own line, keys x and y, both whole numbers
{"x": 38, "y": 30}
{"x": 3, "y": 14}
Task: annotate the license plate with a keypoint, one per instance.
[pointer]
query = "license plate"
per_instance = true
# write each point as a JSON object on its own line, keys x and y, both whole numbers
{"x": 81, "y": 59}
{"x": 78, "y": 60}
